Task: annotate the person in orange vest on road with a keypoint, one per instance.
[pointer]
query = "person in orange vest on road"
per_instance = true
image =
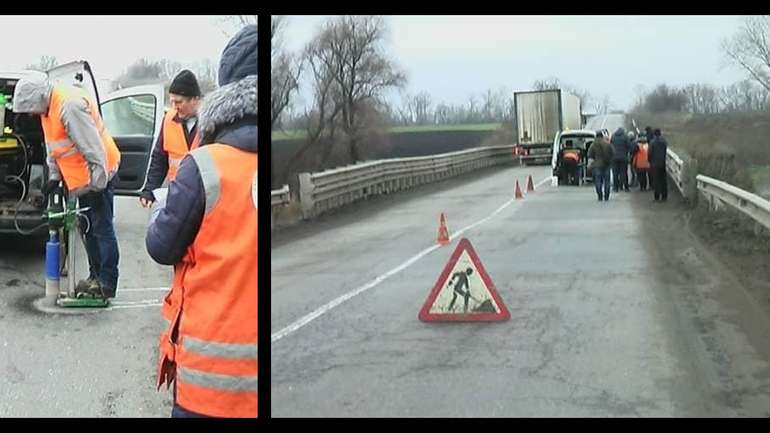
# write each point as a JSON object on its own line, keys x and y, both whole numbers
{"x": 82, "y": 154}
{"x": 207, "y": 229}
{"x": 178, "y": 134}
{"x": 641, "y": 162}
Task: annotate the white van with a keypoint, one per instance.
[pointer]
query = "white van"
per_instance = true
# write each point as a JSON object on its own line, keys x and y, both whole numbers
{"x": 132, "y": 116}
{"x": 579, "y": 139}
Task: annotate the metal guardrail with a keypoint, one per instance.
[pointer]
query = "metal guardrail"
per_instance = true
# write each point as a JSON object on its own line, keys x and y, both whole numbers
{"x": 144, "y": 110}
{"x": 682, "y": 173}
{"x": 675, "y": 168}
{"x": 716, "y": 192}
{"x": 279, "y": 197}
{"x": 719, "y": 193}
{"x": 326, "y": 190}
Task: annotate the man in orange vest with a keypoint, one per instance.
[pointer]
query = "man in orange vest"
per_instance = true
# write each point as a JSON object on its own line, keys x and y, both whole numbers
{"x": 641, "y": 162}
{"x": 207, "y": 229}
{"x": 82, "y": 154}
{"x": 178, "y": 134}
{"x": 568, "y": 164}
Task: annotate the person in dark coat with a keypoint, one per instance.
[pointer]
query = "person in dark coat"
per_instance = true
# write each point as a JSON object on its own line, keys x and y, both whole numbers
{"x": 657, "y": 157}
{"x": 599, "y": 160}
{"x": 621, "y": 148}
{"x": 185, "y": 96}
{"x": 648, "y": 132}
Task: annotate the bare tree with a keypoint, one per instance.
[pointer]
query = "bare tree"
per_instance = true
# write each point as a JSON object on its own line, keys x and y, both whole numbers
{"x": 701, "y": 99}
{"x": 603, "y": 106}
{"x": 43, "y": 64}
{"x": 284, "y": 82}
{"x": 422, "y": 103}
{"x": 743, "y": 96}
{"x": 349, "y": 48}
{"x": 142, "y": 71}
{"x": 205, "y": 72}
{"x": 441, "y": 115}
{"x": 472, "y": 114}
{"x": 664, "y": 98}
{"x": 278, "y": 25}
{"x": 232, "y": 24}
{"x": 550, "y": 83}
{"x": 749, "y": 49}
{"x": 285, "y": 72}
{"x": 553, "y": 83}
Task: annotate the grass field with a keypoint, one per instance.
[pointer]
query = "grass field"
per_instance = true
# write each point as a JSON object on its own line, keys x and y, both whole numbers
{"x": 296, "y": 134}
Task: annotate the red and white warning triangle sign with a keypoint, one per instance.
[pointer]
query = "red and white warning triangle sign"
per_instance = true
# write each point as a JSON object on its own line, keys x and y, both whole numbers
{"x": 464, "y": 291}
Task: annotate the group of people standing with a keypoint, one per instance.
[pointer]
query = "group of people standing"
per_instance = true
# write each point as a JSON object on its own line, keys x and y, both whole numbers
{"x": 646, "y": 154}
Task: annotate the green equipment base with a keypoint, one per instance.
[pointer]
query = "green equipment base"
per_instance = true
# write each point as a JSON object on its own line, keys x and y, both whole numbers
{"x": 83, "y": 302}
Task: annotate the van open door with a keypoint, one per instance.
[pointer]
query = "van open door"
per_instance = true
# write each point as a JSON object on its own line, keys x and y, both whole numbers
{"x": 133, "y": 117}
{"x": 76, "y": 73}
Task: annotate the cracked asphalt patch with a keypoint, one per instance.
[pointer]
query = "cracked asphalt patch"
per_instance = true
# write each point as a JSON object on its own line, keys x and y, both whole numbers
{"x": 99, "y": 364}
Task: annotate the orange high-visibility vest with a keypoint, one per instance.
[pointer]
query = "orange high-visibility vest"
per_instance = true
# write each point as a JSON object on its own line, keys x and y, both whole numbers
{"x": 212, "y": 305}
{"x": 175, "y": 143}
{"x": 641, "y": 160}
{"x": 573, "y": 155}
{"x": 71, "y": 163}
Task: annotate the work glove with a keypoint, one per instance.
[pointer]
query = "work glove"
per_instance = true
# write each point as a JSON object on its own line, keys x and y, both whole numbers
{"x": 147, "y": 198}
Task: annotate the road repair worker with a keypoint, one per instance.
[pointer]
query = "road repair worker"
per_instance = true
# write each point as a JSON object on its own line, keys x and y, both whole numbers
{"x": 178, "y": 134}
{"x": 83, "y": 154}
{"x": 569, "y": 160}
{"x": 641, "y": 162}
{"x": 207, "y": 229}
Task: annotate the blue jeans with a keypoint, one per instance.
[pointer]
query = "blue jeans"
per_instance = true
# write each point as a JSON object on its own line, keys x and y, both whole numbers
{"x": 101, "y": 243}
{"x": 602, "y": 181}
{"x": 180, "y": 412}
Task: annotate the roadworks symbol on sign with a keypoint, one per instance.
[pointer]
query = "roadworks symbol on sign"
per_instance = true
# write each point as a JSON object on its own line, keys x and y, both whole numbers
{"x": 464, "y": 291}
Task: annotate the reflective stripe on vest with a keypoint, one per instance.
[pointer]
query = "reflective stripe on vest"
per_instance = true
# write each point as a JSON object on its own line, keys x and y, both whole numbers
{"x": 218, "y": 381}
{"x": 220, "y": 350}
{"x": 209, "y": 176}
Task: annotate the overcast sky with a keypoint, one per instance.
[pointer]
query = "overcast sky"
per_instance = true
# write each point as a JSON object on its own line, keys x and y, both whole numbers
{"x": 453, "y": 57}
{"x": 111, "y": 43}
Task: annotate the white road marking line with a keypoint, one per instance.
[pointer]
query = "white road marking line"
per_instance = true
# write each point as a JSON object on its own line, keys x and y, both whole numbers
{"x": 142, "y": 302}
{"x": 115, "y": 307}
{"x": 334, "y": 303}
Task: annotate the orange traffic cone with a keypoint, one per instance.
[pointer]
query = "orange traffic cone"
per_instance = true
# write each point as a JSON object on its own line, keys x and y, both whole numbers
{"x": 530, "y": 186}
{"x": 518, "y": 194}
{"x": 443, "y": 232}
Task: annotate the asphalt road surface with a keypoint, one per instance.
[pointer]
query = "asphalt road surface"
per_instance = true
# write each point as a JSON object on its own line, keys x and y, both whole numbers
{"x": 94, "y": 364}
{"x": 616, "y": 309}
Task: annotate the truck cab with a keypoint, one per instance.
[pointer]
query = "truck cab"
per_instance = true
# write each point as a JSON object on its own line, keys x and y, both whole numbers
{"x": 132, "y": 116}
